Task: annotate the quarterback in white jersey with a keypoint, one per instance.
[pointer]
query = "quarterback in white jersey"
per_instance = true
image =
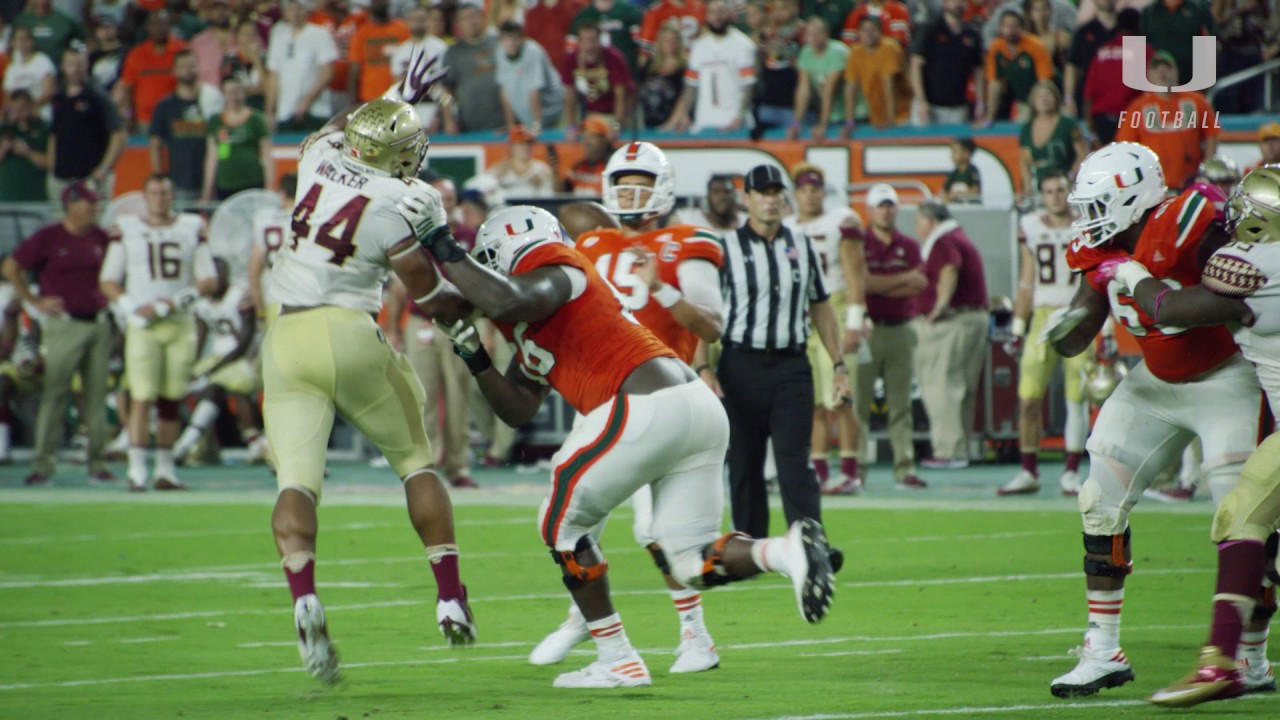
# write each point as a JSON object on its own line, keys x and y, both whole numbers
{"x": 1046, "y": 283}
{"x": 837, "y": 235}
{"x": 272, "y": 227}
{"x": 153, "y": 272}
{"x": 225, "y": 333}
{"x": 1240, "y": 286}
{"x": 325, "y": 353}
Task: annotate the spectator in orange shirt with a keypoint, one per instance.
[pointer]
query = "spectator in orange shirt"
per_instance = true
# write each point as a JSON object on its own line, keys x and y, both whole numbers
{"x": 894, "y": 17}
{"x": 1016, "y": 61}
{"x": 336, "y": 17}
{"x": 1268, "y": 145}
{"x": 687, "y": 15}
{"x": 1180, "y": 128}
{"x": 371, "y": 49}
{"x": 147, "y": 76}
{"x": 876, "y": 66}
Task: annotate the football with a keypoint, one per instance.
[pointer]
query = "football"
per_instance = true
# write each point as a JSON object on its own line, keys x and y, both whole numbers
{"x": 1232, "y": 276}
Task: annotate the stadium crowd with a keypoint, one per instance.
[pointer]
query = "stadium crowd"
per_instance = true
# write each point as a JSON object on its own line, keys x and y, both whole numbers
{"x": 209, "y": 82}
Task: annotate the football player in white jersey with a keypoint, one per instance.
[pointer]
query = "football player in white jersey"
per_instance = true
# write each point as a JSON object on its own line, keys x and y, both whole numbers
{"x": 226, "y": 317}
{"x": 1046, "y": 283}
{"x": 271, "y": 228}
{"x": 155, "y": 269}
{"x": 1241, "y": 286}
{"x": 837, "y": 234}
{"x": 326, "y": 354}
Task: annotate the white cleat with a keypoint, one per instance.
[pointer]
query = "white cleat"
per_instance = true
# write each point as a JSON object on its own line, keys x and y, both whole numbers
{"x": 1070, "y": 483}
{"x": 1257, "y": 678}
{"x": 1095, "y": 671}
{"x": 456, "y": 623}
{"x": 1024, "y": 483}
{"x": 809, "y": 567}
{"x": 697, "y": 652}
{"x": 627, "y": 671}
{"x": 319, "y": 655}
{"x": 556, "y": 646}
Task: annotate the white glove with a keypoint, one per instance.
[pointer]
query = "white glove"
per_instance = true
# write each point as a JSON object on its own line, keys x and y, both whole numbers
{"x": 463, "y": 335}
{"x": 1131, "y": 273}
{"x": 419, "y": 79}
{"x": 1061, "y": 322}
{"x": 423, "y": 208}
{"x": 198, "y": 384}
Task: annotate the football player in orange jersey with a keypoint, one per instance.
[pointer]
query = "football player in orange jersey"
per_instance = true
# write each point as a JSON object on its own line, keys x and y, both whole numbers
{"x": 1192, "y": 381}
{"x": 669, "y": 278}
{"x": 647, "y": 420}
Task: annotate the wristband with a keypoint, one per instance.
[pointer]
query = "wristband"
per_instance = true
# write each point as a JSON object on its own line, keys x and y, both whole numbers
{"x": 477, "y": 362}
{"x": 1019, "y": 327}
{"x": 667, "y": 295}
{"x": 855, "y": 317}
{"x": 1155, "y": 304}
{"x": 698, "y": 370}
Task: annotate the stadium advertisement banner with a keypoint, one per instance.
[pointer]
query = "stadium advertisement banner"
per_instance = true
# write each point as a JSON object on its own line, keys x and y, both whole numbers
{"x": 915, "y": 156}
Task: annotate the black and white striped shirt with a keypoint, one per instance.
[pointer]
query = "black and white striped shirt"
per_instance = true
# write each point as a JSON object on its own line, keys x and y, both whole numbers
{"x": 768, "y": 286}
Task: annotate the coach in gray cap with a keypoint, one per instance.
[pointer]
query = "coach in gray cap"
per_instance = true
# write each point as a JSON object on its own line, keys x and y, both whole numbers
{"x": 773, "y": 289}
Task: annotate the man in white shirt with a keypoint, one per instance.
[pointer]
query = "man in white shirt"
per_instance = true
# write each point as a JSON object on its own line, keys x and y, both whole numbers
{"x": 721, "y": 73}
{"x": 154, "y": 273}
{"x": 300, "y": 59}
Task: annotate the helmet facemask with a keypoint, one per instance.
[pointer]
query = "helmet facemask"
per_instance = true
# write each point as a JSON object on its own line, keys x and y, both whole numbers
{"x": 1253, "y": 212}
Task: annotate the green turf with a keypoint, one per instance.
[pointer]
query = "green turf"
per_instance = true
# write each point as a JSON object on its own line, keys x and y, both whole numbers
{"x": 952, "y": 604}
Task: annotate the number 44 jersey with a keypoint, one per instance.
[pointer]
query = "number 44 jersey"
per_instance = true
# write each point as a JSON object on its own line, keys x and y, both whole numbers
{"x": 344, "y": 223}
{"x": 1169, "y": 247}
{"x": 671, "y": 246}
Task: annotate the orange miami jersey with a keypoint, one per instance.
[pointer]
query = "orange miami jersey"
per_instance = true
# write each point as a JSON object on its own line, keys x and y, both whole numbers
{"x": 1169, "y": 247}
{"x": 607, "y": 250}
{"x": 588, "y": 347}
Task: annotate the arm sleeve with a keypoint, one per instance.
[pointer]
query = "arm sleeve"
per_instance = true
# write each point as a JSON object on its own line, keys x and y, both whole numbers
{"x": 700, "y": 283}
{"x": 113, "y": 264}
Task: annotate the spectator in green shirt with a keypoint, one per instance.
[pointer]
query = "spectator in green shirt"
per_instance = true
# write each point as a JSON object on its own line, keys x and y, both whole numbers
{"x": 1051, "y": 141}
{"x": 239, "y": 151}
{"x": 619, "y": 23}
{"x": 821, "y": 64}
{"x": 24, "y": 162}
{"x": 52, "y": 30}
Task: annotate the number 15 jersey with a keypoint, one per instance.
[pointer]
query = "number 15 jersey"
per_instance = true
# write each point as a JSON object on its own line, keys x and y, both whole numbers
{"x": 343, "y": 224}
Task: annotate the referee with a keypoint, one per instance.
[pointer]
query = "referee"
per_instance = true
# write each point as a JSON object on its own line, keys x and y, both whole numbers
{"x": 772, "y": 282}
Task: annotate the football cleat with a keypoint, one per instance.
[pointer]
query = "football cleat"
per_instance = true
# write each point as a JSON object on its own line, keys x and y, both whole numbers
{"x": 456, "y": 622}
{"x": 843, "y": 485}
{"x": 1170, "y": 495}
{"x": 1256, "y": 678}
{"x": 627, "y": 671}
{"x": 319, "y": 655}
{"x": 556, "y": 646}
{"x": 809, "y": 567}
{"x": 1024, "y": 483}
{"x": 168, "y": 483}
{"x": 1215, "y": 678}
{"x": 1095, "y": 671}
{"x": 1070, "y": 483}
{"x": 911, "y": 482}
{"x": 697, "y": 652}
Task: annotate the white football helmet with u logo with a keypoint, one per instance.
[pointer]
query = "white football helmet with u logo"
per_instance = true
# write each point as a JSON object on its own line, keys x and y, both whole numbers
{"x": 1114, "y": 187}
{"x": 511, "y": 232}
{"x": 639, "y": 158}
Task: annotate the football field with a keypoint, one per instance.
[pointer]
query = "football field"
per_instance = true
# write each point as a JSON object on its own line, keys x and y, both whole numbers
{"x": 951, "y": 604}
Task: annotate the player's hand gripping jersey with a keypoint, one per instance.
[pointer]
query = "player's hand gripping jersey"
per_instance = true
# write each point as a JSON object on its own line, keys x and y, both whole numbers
{"x": 1169, "y": 248}
{"x": 608, "y": 250}
{"x": 587, "y": 348}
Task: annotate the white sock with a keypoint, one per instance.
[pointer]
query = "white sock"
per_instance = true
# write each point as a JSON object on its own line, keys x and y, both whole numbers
{"x": 1104, "y": 620}
{"x": 4, "y": 439}
{"x": 1253, "y": 648}
{"x": 770, "y": 555}
{"x": 689, "y": 607}
{"x": 138, "y": 465}
{"x": 164, "y": 463}
{"x": 611, "y": 638}
{"x": 1076, "y": 429}
{"x": 201, "y": 418}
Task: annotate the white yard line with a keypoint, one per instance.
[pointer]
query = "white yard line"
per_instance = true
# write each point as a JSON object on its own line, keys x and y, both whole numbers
{"x": 844, "y": 653}
{"x": 993, "y": 710}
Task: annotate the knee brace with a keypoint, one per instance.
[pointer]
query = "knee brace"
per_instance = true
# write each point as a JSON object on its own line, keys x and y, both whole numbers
{"x": 714, "y": 572}
{"x": 659, "y": 558}
{"x": 575, "y": 575}
{"x": 167, "y": 409}
{"x": 1113, "y": 545}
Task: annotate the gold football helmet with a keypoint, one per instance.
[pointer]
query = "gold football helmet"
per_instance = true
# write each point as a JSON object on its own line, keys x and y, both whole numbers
{"x": 1219, "y": 169}
{"x": 1253, "y": 212}
{"x": 387, "y": 136}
